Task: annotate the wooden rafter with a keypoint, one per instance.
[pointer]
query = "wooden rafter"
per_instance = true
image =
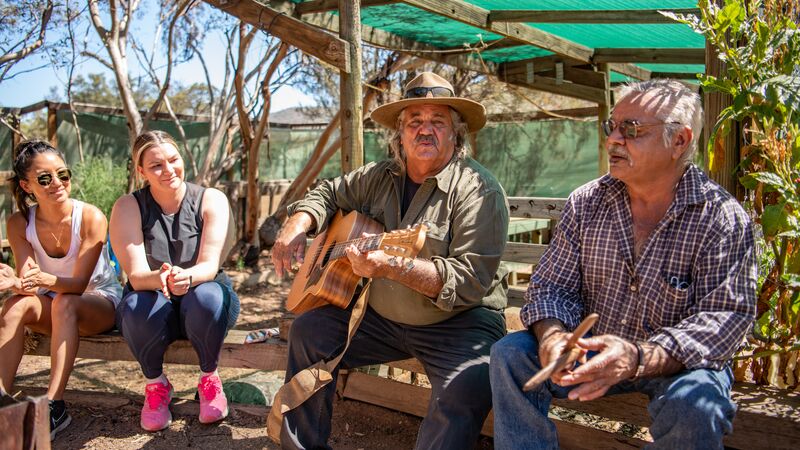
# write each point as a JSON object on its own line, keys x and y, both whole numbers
{"x": 318, "y": 6}
{"x": 630, "y": 70}
{"x": 294, "y": 32}
{"x": 479, "y": 18}
{"x": 588, "y": 16}
{"x": 384, "y": 39}
{"x": 650, "y": 55}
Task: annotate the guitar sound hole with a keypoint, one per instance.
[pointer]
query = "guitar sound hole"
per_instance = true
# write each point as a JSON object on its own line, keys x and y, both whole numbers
{"x": 327, "y": 255}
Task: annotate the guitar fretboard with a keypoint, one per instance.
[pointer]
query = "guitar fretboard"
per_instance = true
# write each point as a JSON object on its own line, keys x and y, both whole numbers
{"x": 366, "y": 244}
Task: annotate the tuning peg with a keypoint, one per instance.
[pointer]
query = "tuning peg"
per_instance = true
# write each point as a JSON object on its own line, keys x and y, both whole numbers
{"x": 393, "y": 261}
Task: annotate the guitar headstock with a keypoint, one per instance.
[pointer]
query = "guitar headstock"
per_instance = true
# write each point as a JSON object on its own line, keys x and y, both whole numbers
{"x": 405, "y": 243}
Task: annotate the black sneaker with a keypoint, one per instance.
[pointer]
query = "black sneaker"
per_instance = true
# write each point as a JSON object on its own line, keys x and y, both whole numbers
{"x": 59, "y": 418}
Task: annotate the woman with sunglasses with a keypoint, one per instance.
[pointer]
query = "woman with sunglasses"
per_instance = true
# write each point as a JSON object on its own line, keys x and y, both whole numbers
{"x": 170, "y": 238}
{"x": 66, "y": 286}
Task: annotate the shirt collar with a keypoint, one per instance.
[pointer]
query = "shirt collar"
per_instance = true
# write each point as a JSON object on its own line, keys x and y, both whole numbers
{"x": 443, "y": 179}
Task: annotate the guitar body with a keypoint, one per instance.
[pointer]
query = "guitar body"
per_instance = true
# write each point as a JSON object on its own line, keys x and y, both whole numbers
{"x": 322, "y": 280}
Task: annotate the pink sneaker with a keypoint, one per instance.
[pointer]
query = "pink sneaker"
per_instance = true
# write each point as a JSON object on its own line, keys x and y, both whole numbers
{"x": 155, "y": 412}
{"x": 213, "y": 404}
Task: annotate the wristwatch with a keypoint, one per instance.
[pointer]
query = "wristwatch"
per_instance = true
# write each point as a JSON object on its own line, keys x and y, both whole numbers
{"x": 640, "y": 362}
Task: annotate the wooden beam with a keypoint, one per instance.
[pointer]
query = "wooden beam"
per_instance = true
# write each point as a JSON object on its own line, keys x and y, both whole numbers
{"x": 589, "y": 16}
{"x": 478, "y": 17}
{"x": 52, "y": 125}
{"x": 318, "y": 6}
{"x": 723, "y": 167}
{"x": 590, "y": 111}
{"x": 536, "y": 207}
{"x": 650, "y": 55}
{"x": 603, "y": 113}
{"x": 390, "y": 41}
{"x": 675, "y": 75}
{"x": 351, "y": 98}
{"x": 270, "y": 355}
{"x": 320, "y": 44}
{"x": 548, "y": 84}
{"x": 630, "y": 70}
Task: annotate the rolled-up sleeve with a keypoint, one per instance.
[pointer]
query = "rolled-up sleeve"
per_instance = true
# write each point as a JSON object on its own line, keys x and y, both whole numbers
{"x": 346, "y": 192}
{"x": 554, "y": 289}
{"x": 478, "y": 237}
{"x": 725, "y": 278}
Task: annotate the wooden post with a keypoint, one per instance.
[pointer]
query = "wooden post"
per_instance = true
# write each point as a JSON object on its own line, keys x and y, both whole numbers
{"x": 726, "y": 155}
{"x": 52, "y": 124}
{"x": 15, "y": 137}
{"x": 603, "y": 113}
{"x": 253, "y": 197}
{"x": 352, "y": 130}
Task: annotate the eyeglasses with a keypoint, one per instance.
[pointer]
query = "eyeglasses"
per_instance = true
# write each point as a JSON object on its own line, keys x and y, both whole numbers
{"x": 45, "y": 179}
{"x": 437, "y": 91}
{"x": 629, "y": 129}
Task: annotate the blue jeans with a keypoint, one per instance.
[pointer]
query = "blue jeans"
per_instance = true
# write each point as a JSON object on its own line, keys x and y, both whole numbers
{"x": 455, "y": 354}
{"x": 690, "y": 410}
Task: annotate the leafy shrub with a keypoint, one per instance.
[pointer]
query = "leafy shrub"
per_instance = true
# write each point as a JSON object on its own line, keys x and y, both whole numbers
{"x": 100, "y": 182}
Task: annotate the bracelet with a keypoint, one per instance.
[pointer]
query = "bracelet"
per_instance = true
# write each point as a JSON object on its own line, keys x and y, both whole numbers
{"x": 640, "y": 362}
{"x": 190, "y": 281}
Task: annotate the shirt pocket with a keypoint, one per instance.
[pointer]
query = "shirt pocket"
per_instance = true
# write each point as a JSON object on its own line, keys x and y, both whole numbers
{"x": 674, "y": 300}
{"x": 437, "y": 239}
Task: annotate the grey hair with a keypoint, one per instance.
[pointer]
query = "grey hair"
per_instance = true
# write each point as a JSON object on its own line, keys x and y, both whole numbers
{"x": 682, "y": 106}
{"x": 460, "y": 132}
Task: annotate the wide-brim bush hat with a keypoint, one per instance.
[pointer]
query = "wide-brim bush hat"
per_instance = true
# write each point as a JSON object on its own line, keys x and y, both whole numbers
{"x": 428, "y": 88}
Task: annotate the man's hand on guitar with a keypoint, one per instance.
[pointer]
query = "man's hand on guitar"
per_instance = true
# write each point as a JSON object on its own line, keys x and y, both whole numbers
{"x": 291, "y": 242}
{"x": 367, "y": 264}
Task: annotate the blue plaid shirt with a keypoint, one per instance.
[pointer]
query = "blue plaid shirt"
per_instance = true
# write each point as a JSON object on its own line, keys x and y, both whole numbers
{"x": 691, "y": 291}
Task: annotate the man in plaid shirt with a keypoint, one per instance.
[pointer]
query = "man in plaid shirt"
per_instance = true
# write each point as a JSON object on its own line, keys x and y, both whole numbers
{"x": 665, "y": 257}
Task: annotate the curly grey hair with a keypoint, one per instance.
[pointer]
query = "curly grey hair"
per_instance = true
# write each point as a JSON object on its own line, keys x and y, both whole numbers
{"x": 683, "y": 107}
{"x": 460, "y": 131}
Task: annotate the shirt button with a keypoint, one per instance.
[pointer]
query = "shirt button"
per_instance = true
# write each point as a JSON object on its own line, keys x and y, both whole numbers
{"x": 624, "y": 321}
{"x": 634, "y": 288}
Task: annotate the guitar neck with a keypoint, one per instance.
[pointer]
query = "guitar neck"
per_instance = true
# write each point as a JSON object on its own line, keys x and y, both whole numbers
{"x": 365, "y": 244}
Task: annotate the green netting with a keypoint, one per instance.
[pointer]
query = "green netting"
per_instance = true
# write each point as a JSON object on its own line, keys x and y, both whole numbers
{"x": 441, "y": 32}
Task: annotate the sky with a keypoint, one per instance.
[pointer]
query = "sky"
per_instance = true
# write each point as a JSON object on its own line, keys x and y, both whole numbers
{"x": 34, "y": 84}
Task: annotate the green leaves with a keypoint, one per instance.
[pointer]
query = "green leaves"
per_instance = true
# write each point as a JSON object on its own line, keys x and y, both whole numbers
{"x": 777, "y": 219}
{"x": 730, "y": 17}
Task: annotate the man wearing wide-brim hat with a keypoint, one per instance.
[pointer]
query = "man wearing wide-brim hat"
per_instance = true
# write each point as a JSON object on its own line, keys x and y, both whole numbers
{"x": 443, "y": 307}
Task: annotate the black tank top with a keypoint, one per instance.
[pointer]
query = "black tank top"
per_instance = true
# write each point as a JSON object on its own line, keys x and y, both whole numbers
{"x": 175, "y": 238}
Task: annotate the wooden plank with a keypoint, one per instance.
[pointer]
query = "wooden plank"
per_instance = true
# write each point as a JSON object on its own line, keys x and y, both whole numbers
{"x": 270, "y": 355}
{"x": 390, "y": 41}
{"x": 650, "y": 55}
{"x": 313, "y": 41}
{"x": 589, "y": 16}
{"x": 548, "y": 84}
{"x": 536, "y": 207}
{"x": 350, "y": 98}
{"x": 767, "y": 417}
{"x": 478, "y": 17}
{"x": 319, "y": 6}
{"x": 522, "y": 252}
{"x": 603, "y": 113}
{"x": 516, "y": 296}
{"x": 630, "y": 70}
{"x": 590, "y": 111}
{"x": 52, "y": 125}
{"x": 12, "y": 422}
{"x": 412, "y": 399}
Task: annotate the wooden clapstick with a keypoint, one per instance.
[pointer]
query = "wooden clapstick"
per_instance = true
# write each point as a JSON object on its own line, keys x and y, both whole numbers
{"x": 569, "y": 355}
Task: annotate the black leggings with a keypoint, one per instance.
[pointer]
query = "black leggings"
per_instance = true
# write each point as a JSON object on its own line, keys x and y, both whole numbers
{"x": 150, "y": 322}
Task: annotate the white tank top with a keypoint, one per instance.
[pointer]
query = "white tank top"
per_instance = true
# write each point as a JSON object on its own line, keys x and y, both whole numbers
{"x": 103, "y": 280}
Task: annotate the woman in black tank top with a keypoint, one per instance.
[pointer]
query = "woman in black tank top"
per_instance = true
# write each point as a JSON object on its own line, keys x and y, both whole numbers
{"x": 170, "y": 238}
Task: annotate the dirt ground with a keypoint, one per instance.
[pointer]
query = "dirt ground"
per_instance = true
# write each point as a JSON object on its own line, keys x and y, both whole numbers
{"x": 104, "y": 398}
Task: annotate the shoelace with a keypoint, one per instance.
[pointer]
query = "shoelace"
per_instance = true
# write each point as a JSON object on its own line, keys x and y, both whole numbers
{"x": 209, "y": 387}
{"x": 156, "y": 395}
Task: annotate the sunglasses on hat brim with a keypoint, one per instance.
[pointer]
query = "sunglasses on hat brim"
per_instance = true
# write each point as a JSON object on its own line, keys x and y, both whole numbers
{"x": 46, "y": 179}
{"x": 420, "y": 92}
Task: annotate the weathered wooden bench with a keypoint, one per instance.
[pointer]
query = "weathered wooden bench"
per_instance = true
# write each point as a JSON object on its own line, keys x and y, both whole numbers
{"x": 767, "y": 417}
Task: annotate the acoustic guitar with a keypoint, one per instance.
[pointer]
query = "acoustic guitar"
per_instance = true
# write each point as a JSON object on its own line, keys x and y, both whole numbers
{"x": 326, "y": 276}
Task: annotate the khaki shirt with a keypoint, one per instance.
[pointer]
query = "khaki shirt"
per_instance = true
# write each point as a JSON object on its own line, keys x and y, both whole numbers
{"x": 467, "y": 212}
